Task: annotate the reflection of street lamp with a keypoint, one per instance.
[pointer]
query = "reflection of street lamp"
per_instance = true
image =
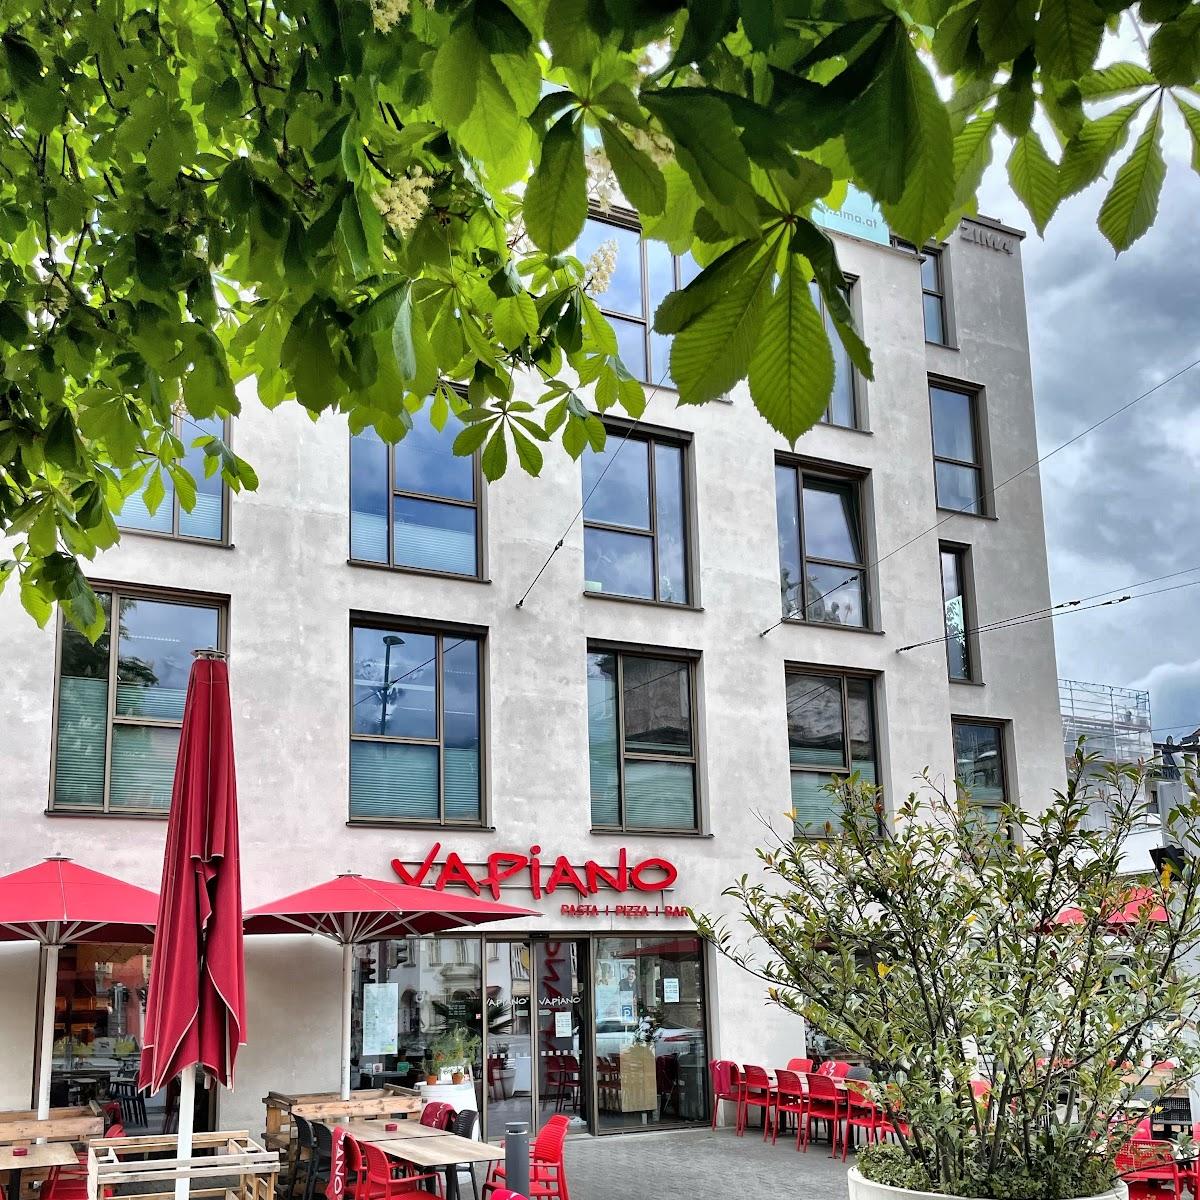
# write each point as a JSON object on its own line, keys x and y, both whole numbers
{"x": 389, "y": 641}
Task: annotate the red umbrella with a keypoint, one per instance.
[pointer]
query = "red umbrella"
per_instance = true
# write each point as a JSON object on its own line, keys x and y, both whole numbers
{"x": 56, "y": 902}
{"x": 352, "y": 909}
{"x": 1136, "y": 904}
{"x": 196, "y": 1008}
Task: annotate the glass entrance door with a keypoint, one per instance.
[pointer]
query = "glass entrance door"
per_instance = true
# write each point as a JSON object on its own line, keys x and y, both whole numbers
{"x": 509, "y": 1077}
{"x": 560, "y": 1030}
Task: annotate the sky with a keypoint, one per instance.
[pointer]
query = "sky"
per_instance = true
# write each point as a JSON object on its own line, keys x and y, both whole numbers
{"x": 1122, "y": 503}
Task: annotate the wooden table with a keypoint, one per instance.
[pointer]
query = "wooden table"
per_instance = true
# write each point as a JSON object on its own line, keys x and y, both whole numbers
{"x": 447, "y": 1150}
{"x": 49, "y": 1154}
{"x": 374, "y": 1131}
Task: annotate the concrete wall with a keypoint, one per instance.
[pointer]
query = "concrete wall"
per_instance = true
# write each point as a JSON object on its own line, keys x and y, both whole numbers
{"x": 291, "y": 591}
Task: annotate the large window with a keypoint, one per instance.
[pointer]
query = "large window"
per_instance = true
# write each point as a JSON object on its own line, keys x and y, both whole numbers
{"x": 954, "y": 601}
{"x": 822, "y": 565}
{"x": 415, "y": 504}
{"x": 206, "y": 521}
{"x": 643, "y": 273}
{"x": 957, "y": 462}
{"x": 415, "y": 746}
{"x": 843, "y": 406}
{"x": 635, "y": 519}
{"x": 933, "y": 292}
{"x": 831, "y": 733}
{"x": 642, "y": 741}
{"x": 120, "y": 701}
{"x": 979, "y": 765}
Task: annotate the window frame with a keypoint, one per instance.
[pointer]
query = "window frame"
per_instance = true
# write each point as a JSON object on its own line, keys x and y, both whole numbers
{"x": 826, "y": 418}
{"x": 651, "y": 436}
{"x": 1001, "y": 729}
{"x": 962, "y": 556}
{"x": 856, "y": 481}
{"x": 442, "y": 633}
{"x": 974, "y": 397}
{"x": 843, "y": 675}
{"x": 116, "y": 592}
{"x": 477, "y": 483}
{"x": 691, "y": 661}
{"x": 173, "y": 534}
{"x": 936, "y": 255}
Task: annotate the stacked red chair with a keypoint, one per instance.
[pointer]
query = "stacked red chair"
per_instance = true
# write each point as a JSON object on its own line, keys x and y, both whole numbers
{"x": 826, "y": 1102}
{"x": 547, "y": 1168}
{"x": 801, "y": 1066}
{"x": 1145, "y": 1165}
{"x": 790, "y": 1097}
{"x": 756, "y": 1091}
{"x": 861, "y": 1113}
{"x": 726, "y": 1084}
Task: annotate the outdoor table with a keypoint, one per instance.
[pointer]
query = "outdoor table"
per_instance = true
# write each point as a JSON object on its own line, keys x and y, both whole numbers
{"x": 446, "y": 1150}
{"x": 374, "y": 1131}
{"x": 49, "y": 1154}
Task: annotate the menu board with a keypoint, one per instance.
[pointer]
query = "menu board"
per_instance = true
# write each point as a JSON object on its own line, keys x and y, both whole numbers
{"x": 381, "y": 1002}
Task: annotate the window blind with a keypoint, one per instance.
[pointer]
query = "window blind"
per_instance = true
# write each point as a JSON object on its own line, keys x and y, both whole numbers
{"x": 390, "y": 779}
{"x": 659, "y": 795}
{"x": 79, "y": 749}
{"x": 143, "y": 767}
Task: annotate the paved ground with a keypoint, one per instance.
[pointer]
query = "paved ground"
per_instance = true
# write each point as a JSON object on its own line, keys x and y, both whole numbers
{"x": 700, "y": 1165}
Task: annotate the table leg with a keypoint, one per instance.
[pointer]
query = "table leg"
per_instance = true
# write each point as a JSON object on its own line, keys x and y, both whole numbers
{"x": 452, "y": 1182}
{"x": 14, "y": 1183}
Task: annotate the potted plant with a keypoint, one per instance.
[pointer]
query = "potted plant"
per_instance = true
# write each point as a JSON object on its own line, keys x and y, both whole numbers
{"x": 999, "y": 973}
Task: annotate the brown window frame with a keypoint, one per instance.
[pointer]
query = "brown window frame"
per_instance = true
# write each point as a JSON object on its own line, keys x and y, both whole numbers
{"x": 116, "y": 592}
{"x": 933, "y": 254}
{"x": 443, "y": 634}
{"x": 974, "y": 397}
{"x": 962, "y": 557}
{"x": 621, "y": 652}
{"x": 1001, "y": 728}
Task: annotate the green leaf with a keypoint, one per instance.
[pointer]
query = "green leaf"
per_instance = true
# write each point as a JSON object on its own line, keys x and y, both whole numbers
{"x": 1068, "y": 37}
{"x": 1005, "y": 28}
{"x": 528, "y": 453}
{"x": 402, "y": 335}
{"x": 457, "y": 66}
{"x": 1114, "y": 80}
{"x": 791, "y": 370}
{"x": 972, "y": 156}
{"x": 708, "y": 21}
{"x": 472, "y": 436}
{"x": 713, "y": 352}
{"x": 1191, "y": 116}
{"x": 1034, "y": 177}
{"x": 354, "y": 237}
{"x": 636, "y": 172}
{"x": 494, "y": 459}
{"x": 556, "y": 196}
{"x": 680, "y": 307}
{"x": 1129, "y": 208}
{"x": 1087, "y": 154}
{"x": 515, "y": 319}
{"x": 185, "y": 486}
{"x": 34, "y": 601}
{"x": 154, "y": 491}
{"x": 1175, "y": 49}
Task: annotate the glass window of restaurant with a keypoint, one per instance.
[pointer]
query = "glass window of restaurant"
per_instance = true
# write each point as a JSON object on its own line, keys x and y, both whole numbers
{"x": 99, "y": 1018}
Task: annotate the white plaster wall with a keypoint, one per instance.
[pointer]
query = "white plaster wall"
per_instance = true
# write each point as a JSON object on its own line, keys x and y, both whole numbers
{"x": 291, "y": 593}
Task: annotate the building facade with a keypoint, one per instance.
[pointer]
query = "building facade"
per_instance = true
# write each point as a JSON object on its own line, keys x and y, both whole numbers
{"x": 608, "y": 752}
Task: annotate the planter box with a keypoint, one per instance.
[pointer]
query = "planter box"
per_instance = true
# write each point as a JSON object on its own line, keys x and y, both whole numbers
{"x": 864, "y": 1189}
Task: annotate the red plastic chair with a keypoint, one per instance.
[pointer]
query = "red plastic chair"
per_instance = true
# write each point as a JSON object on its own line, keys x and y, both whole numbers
{"x": 757, "y": 1091}
{"x": 433, "y": 1114}
{"x": 790, "y": 1097}
{"x": 726, "y": 1084}
{"x": 380, "y": 1180}
{"x": 839, "y": 1070}
{"x": 801, "y": 1066}
{"x": 70, "y": 1182}
{"x": 861, "y": 1112}
{"x": 826, "y": 1102}
{"x": 547, "y": 1168}
{"x": 1150, "y": 1162}
{"x": 1142, "y": 1131}
{"x": 505, "y": 1194}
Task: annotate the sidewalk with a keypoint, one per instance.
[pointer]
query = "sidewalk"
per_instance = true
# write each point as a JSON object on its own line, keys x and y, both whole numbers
{"x": 699, "y": 1165}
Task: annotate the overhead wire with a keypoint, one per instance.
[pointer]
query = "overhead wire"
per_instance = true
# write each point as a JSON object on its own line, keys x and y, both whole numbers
{"x": 1116, "y": 412}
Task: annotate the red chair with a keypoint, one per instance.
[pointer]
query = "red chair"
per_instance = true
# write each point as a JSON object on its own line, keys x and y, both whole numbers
{"x": 790, "y": 1097}
{"x": 726, "y": 1084}
{"x": 1150, "y": 1162}
{"x": 547, "y": 1169}
{"x": 838, "y": 1070}
{"x": 70, "y": 1182}
{"x": 505, "y": 1194}
{"x": 1142, "y": 1131}
{"x": 381, "y": 1182}
{"x": 433, "y": 1115}
{"x": 826, "y": 1102}
{"x": 861, "y": 1113}
{"x": 801, "y": 1066}
{"x": 757, "y": 1091}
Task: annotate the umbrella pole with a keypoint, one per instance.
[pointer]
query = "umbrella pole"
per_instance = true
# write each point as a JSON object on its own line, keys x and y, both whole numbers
{"x": 347, "y": 993}
{"x": 49, "y": 991}
{"x": 187, "y": 1112}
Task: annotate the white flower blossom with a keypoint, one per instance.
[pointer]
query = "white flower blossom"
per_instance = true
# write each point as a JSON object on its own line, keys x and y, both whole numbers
{"x": 405, "y": 201}
{"x": 657, "y": 145}
{"x": 598, "y": 270}
{"x": 386, "y": 14}
{"x": 602, "y": 183}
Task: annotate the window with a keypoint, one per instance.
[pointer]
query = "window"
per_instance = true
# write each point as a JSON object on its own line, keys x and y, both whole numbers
{"x": 831, "y": 733}
{"x": 206, "y": 521}
{"x": 415, "y": 504}
{"x": 415, "y": 728}
{"x": 644, "y": 273}
{"x": 954, "y": 600}
{"x": 957, "y": 469}
{"x": 641, "y": 744}
{"x": 119, "y": 703}
{"x": 822, "y": 572}
{"x": 843, "y": 408}
{"x": 979, "y": 766}
{"x": 635, "y": 519}
{"x": 933, "y": 292}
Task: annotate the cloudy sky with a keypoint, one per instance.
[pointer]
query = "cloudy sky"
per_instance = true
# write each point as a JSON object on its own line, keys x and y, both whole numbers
{"x": 1122, "y": 503}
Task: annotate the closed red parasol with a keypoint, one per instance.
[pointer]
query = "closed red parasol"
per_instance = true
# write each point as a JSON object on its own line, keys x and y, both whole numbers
{"x": 1136, "y": 904}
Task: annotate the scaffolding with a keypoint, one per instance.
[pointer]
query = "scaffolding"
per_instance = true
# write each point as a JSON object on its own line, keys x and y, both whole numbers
{"x": 1115, "y": 721}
